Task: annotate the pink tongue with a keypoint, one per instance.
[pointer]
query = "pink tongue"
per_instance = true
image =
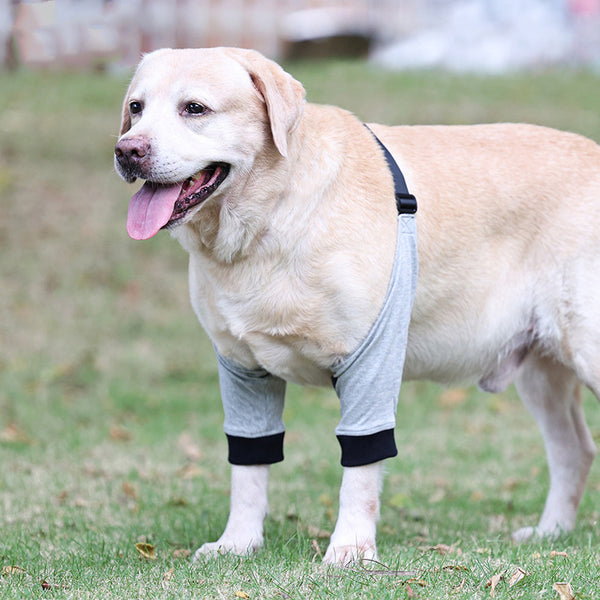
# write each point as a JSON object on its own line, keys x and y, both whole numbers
{"x": 150, "y": 209}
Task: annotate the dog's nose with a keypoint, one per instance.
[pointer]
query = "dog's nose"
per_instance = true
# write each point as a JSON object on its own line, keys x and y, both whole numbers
{"x": 132, "y": 150}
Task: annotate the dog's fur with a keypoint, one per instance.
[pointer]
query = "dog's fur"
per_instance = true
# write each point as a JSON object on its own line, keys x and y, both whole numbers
{"x": 291, "y": 256}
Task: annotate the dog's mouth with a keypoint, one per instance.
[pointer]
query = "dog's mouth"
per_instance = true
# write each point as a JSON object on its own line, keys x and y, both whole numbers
{"x": 156, "y": 206}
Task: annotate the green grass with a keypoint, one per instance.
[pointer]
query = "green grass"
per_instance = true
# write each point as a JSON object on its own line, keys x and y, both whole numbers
{"x": 110, "y": 418}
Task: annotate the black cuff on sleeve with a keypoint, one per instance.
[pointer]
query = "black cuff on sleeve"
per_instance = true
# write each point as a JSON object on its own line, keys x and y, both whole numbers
{"x": 255, "y": 451}
{"x": 358, "y": 450}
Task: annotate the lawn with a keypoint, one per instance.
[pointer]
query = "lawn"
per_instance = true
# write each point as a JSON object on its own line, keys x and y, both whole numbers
{"x": 112, "y": 458}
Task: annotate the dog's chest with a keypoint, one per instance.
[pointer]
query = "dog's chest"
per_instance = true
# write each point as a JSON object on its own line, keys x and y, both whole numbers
{"x": 269, "y": 319}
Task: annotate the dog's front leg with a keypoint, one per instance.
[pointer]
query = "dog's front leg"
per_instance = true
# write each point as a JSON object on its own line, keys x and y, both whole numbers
{"x": 354, "y": 536}
{"x": 248, "y": 508}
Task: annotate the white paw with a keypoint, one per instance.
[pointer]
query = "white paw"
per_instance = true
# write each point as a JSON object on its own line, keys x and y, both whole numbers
{"x": 346, "y": 555}
{"x": 527, "y": 534}
{"x": 223, "y": 547}
{"x": 524, "y": 534}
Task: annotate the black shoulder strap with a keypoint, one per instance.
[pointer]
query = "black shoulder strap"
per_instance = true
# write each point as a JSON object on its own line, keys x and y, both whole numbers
{"x": 405, "y": 202}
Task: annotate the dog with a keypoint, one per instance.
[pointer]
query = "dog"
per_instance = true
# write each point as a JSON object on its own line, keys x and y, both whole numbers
{"x": 287, "y": 210}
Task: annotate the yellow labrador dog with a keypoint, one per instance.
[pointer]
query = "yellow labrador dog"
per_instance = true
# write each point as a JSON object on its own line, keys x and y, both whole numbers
{"x": 301, "y": 269}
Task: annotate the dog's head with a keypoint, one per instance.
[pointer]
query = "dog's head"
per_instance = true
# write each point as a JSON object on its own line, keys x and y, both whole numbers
{"x": 193, "y": 124}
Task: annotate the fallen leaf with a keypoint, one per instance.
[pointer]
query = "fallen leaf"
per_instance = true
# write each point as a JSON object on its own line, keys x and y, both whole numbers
{"x": 13, "y": 434}
{"x": 49, "y": 586}
{"x": 178, "y": 501}
{"x": 316, "y": 532}
{"x": 443, "y": 549}
{"x": 12, "y": 570}
{"x": 511, "y": 483}
{"x": 493, "y": 581}
{"x": 292, "y": 514}
{"x": 166, "y": 580}
{"x": 146, "y": 550}
{"x": 240, "y": 594}
{"x": 181, "y": 553}
{"x": 118, "y": 433}
{"x": 189, "y": 447}
{"x": 437, "y": 496}
{"x": 409, "y": 591}
{"x": 517, "y": 576}
{"x": 557, "y": 553}
{"x": 190, "y": 471}
{"x": 454, "y": 568}
{"x": 325, "y": 500}
{"x": 130, "y": 490}
{"x": 565, "y": 591}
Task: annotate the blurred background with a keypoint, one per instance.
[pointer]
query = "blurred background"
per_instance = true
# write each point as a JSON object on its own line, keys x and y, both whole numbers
{"x": 465, "y": 35}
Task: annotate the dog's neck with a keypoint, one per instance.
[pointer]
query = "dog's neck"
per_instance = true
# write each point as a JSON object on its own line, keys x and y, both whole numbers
{"x": 228, "y": 227}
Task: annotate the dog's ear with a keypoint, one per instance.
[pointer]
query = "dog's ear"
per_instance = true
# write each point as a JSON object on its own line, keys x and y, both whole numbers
{"x": 125, "y": 116}
{"x": 125, "y": 119}
{"x": 283, "y": 95}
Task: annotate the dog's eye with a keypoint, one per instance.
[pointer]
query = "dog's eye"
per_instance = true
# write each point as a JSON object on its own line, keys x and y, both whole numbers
{"x": 135, "y": 107}
{"x": 194, "y": 108}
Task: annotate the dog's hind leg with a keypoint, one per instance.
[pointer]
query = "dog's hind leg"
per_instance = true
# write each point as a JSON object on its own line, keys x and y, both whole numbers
{"x": 551, "y": 393}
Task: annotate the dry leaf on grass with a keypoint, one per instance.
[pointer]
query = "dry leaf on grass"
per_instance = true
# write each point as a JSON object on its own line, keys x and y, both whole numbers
{"x": 189, "y": 447}
{"x": 49, "y": 586}
{"x": 517, "y": 576}
{"x": 166, "y": 580}
{"x": 178, "y": 501}
{"x": 118, "y": 433}
{"x": 13, "y": 434}
{"x": 130, "y": 490}
{"x": 455, "y": 568}
{"x": 147, "y": 551}
{"x": 181, "y": 553}
{"x": 565, "y": 591}
{"x": 190, "y": 471}
{"x": 325, "y": 500}
{"x": 317, "y": 532}
{"x": 240, "y": 594}
{"x": 493, "y": 581}
{"x": 443, "y": 549}
{"x": 410, "y": 592}
{"x": 9, "y": 570}
{"x": 557, "y": 553}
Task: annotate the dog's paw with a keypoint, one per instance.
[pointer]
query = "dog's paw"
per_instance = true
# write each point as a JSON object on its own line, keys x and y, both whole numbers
{"x": 531, "y": 534}
{"x": 346, "y": 555}
{"x": 525, "y": 534}
{"x": 223, "y": 547}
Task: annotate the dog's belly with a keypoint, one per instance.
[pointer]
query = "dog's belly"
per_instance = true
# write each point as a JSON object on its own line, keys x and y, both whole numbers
{"x": 447, "y": 365}
{"x": 489, "y": 355}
